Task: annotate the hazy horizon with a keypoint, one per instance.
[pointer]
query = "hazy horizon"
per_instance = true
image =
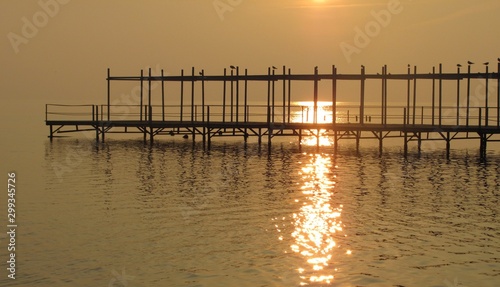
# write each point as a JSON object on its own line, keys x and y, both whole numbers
{"x": 59, "y": 50}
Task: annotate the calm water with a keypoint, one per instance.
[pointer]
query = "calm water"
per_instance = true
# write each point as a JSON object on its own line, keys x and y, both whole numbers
{"x": 128, "y": 214}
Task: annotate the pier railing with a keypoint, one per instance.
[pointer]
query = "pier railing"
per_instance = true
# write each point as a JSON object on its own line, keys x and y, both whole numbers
{"x": 421, "y": 115}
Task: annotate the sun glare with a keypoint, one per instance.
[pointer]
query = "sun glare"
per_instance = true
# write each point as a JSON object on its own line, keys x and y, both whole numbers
{"x": 307, "y": 115}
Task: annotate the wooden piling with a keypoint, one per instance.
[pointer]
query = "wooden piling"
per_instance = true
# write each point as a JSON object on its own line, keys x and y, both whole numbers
{"x": 362, "y": 98}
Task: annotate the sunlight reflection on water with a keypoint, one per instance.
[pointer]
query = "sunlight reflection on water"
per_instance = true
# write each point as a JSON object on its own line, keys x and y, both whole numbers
{"x": 318, "y": 222}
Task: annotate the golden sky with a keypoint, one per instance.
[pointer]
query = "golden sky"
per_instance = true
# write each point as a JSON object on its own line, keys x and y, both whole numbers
{"x": 58, "y": 50}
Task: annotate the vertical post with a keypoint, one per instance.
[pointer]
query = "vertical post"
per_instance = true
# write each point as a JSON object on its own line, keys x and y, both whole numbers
{"x": 203, "y": 106}
{"x": 468, "y": 96}
{"x": 97, "y": 124}
{"x": 290, "y": 95}
{"x": 362, "y": 97}
{"x": 482, "y": 146}
{"x": 315, "y": 112}
{"x": 284, "y": 94}
{"x": 246, "y": 97}
{"x": 192, "y": 96}
{"x": 149, "y": 95}
{"x": 414, "y": 93}
{"x": 203, "y": 96}
{"x": 385, "y": 94}
{"x": 232, "y": 95}
{"x": 405, "y": 134}
{"x": 103, "y": 130}
{"x": 487, "y": 96}
{"x": 448, "y": 140}
{"x": 269, "y": 129}
{"x": 422, "y": 115}
{"x": 334, "y": 94}
{"x": 268, "y": 91}
{"x": 162, "y": 96}
{"x": 151, "y": 134}
{"x": 208, "y": 128}
{"x": 142, "y": 91}
{"x": 237, "y": 93}
{"x": 109, "y": 94}
{"x": 458, "y": 95}
{"x": 433, "y": 94}
{"x": 224, "y": 98}
{"x": 182, "y": 96}
{"x": 498, "y": 93}
{"x": 273, "y": 94}
{"x": 382, "y": 118}
{"x": 480, "y": 119}
{"x": 440, "y": 93}
{"x": 380, "y": 142}
{"x": 408, "y": 95}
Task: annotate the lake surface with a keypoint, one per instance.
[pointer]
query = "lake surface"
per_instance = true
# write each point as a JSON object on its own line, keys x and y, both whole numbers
{"x": 125, "y": 213}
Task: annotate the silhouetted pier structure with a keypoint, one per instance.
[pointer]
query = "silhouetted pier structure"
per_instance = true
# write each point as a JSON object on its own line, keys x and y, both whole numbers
{"x": 474, "y": 114}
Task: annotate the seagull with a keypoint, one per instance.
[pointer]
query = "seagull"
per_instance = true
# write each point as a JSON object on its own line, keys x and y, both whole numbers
{"x": 232, "y": 67}
{"x": 487, "y": 63}
{"x": 470, "y": 63}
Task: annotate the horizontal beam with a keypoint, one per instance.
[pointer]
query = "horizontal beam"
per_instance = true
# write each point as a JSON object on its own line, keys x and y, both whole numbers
{"x": 307, "y": 77}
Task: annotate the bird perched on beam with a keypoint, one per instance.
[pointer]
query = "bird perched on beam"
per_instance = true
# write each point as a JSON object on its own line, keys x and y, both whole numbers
{"x": 486, "y": 63}
{"x": 470, "y": 63}
{"x": 232, "y": 67}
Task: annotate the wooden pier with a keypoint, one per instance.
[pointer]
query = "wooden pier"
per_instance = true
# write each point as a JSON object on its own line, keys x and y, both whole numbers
{"x": 458, "y": 105}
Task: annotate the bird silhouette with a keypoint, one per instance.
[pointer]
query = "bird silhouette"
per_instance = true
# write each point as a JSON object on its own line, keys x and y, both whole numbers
{"x": 274, "y": 67}
{"x": 232, "y": 67}
{"x": 201, "y": 73}
{"x": 486, "y": 63}
{"x": 458, "y": 65}
{"x": 470, "y": 63}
